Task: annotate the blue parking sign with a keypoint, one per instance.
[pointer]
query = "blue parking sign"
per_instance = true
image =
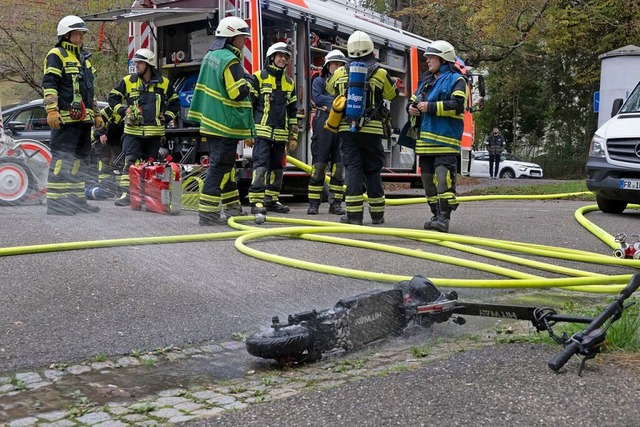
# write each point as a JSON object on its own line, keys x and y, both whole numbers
{"x": 596, "y": 101}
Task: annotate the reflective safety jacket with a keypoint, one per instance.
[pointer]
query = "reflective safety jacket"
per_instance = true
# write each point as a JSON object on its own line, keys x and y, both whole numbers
{"x": 113, "y": 128}
{"x": 154, "y": 98}
{"x": 221, "y": 101}
{"x": 381, "y": 87}
{"x": 274, "y": 104}
{"x": 442, "y": 124}
{"x": 68, "y": 75}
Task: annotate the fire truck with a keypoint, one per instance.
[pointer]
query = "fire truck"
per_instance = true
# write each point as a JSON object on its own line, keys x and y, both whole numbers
{"x": 180, "y": 32}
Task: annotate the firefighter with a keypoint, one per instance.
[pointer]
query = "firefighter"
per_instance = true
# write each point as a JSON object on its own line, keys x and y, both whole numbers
{"x": 67, "y": 84}
{"x": 325, "y": 146}
{"x": 222, "y": 105}
{"x": 146, "y": 101}
{"x": 274, "y": 111}
{"x": 439, "y": 103}
{"x": 108, "y": 147}
{"x": 361, "y": 149}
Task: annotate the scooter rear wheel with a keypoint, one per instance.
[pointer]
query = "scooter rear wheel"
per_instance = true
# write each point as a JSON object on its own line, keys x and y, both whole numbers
{"x": 290, "y": 341}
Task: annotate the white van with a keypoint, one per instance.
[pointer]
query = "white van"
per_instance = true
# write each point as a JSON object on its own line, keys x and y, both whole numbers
{"x": 613, "y": 166}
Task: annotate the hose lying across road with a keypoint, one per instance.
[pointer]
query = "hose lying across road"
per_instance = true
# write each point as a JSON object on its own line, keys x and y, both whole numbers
{"x": 317, "y": 231}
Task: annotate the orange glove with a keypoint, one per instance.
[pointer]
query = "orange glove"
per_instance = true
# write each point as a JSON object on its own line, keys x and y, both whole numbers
{"x": 292, "y": 145}
{"x": 98, "y": 121}
{"x": 54, "y": 119}
{"x": 249, "y": 142}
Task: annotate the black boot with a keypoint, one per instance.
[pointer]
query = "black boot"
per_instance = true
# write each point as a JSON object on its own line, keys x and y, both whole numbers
{"x": 234, "y": 209}
{"x": 441, "y": 224}
{"x": 211, "y": 218}
{"x": 124, "y": 200}
{"x": 82, "y": 206}
{"x": 258, "y": 208}
{"x": 60, "y": 207}
{"x": 351, "y": 218}
{"x": 376, "y": 217}
{"x": 313, "y": 208}
{"x": 435, "y": 210}
{"x": 277, "y": 207}
{"x": 336, "y": 208}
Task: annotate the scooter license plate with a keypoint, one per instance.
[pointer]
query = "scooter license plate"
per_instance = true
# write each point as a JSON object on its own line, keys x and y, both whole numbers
{"x": 630, "y": 184}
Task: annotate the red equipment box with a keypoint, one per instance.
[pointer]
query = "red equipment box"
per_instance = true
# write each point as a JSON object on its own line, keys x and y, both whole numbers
{"x": 156, "y": 187}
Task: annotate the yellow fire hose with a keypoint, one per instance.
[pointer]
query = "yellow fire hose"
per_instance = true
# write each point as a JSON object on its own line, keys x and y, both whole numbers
{"x": 317, "y": 231}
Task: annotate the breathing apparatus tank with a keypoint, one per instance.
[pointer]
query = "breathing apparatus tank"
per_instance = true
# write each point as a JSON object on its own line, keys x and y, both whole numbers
{"x": 356, "y": 94}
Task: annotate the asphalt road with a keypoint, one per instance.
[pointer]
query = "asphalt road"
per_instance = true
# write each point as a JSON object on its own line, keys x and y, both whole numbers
{"x": 73, "y": 305}
{"x": 505, "y": 385}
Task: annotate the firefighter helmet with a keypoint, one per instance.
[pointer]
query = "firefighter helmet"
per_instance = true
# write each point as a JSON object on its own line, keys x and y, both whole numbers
{"x": 280, "y": 47}
{"x": 71, "y": 23}
{"x": 442, "y": 49}
{"x": 335, "y": 56}
{"x": 232, "y": 26}
{"x": 144, "y": 55}
{"x": 359, "y": 44}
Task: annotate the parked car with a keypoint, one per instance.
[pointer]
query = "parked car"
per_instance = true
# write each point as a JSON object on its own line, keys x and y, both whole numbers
{"x": 510, "y": 166}
{"x": 29, "y": 121}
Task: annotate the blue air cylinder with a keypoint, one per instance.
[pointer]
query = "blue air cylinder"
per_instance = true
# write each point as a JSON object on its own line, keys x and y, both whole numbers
{"x": 356, "y": 94}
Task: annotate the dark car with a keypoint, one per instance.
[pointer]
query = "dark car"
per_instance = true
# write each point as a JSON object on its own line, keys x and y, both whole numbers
{"x": 29, "y": 121}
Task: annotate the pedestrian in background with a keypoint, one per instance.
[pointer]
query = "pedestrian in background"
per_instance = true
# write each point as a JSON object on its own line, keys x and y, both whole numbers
{"x": 361, "y": 149}
{"x": 325, "y": 145}
{"x": 439, "y": 103}
{"x": 222, "y": 105}
{"x": 274, "y": 111}
{"x": 495, "y": 144}
{"x": 147, "y": 102}
{"x": 68, "y": 89}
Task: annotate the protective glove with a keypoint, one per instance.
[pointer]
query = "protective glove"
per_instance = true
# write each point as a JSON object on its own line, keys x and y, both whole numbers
{"x": 54, "y": 119}
{"x": 292, "y": 145}
{"x": 249, "y": 142}
{"x": 98, "y": 122}
{"x": 293, "y": 129}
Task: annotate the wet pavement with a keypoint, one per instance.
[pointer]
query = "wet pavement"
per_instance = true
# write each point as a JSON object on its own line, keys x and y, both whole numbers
{"x": 67, "y": 333}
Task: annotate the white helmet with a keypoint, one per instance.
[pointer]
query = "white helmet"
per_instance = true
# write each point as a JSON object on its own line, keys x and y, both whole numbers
{"x": 71, "y": 23}
{"x": 232, "y": 26}
{"x": 281, "y": 47}
{"x": 335, "y": 56}
{"x": 442, "y": 49}
{"x": 359, "y": 45}
{"x": 144, "y": 55}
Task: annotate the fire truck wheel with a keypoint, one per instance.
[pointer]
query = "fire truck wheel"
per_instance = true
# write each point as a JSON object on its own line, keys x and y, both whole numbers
{"x": 15, "y": 179}
{"x": 291, "y": 341}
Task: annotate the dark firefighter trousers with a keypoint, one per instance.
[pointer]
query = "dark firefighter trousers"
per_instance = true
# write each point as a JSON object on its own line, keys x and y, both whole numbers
{"x": 267, "y": 172}
{"x": 325, "y": 148}
{"x": 363, "y": 158}
{"x": 70, "y": 164}
{"x": 220, "y": 186}
{"x": 438, "y": 175}
{"x": 137, "y": 149}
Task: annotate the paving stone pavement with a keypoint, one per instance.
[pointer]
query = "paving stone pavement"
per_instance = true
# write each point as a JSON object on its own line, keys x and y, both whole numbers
{"x": 105, "y": 393}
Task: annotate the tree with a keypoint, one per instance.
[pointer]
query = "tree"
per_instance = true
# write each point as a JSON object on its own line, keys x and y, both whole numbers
{"x": 24, "y": 43}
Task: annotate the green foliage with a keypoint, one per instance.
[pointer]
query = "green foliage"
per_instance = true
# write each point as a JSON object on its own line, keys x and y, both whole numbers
{"x": 541, "y": 59}
{"x": 24, "y": 43}
{"x": 569, "y": 186}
